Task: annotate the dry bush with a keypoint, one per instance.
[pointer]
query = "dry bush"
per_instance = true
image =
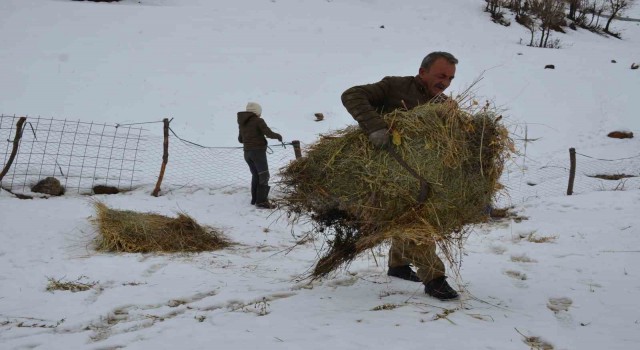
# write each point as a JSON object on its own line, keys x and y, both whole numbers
{"x": 551, "y": 14}
{"x": 357, "y": 196}
{"x": 133, "y": 232}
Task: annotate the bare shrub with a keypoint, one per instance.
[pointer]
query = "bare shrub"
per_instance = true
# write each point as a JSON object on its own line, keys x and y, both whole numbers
{"x": 551, "y": 15}
{"x": 616, "y": 7}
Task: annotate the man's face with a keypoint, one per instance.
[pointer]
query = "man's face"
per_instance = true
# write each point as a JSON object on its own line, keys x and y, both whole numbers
{"x": 438, "y": 77}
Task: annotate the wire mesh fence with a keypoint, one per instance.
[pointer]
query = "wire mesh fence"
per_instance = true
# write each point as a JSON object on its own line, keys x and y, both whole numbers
{"x": 83, "y": 155}
{"x": 549, "y": 179}
{"x": 194, "y": 165}
{"x": 607, "y": 174}
{"x": 79, "y": 154}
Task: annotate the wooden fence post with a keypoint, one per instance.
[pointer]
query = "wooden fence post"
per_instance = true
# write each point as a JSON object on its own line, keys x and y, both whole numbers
{"x": 296, "y": 148}
{"x": 16, "y": 143}
{"x": 165, "y": 157}
{"x": 572, "y": 170}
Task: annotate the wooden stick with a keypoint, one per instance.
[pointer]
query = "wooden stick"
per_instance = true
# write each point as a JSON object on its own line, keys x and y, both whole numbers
{"x": 16, "y": 143}
{"x": 296, "y": 148}
{"x": 572, "y": 170}
{"x": 165, "y": 157}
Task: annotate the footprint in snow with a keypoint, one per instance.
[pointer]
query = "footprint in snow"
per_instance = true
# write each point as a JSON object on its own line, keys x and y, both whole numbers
{"x": 153, "y": 269}
{"x": 559, "y": 304}
{"x": 560, "y": 308}
{"x": 522, "y": 258}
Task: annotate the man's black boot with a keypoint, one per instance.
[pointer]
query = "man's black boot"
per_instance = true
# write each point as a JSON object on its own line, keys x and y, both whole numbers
{"x": 405, "y": 272}
{"x": 439, "y": 288}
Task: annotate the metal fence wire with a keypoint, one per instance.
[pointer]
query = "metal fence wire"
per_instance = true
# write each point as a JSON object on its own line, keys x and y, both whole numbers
{"x": 126, "y": 156}
{"x": 195, "y": 165}
{"x": 82, "y": 155}
{"x": 550, "y": 179}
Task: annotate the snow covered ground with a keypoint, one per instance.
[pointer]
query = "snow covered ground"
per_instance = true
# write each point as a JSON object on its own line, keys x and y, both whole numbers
{"x": 566, "y": 273}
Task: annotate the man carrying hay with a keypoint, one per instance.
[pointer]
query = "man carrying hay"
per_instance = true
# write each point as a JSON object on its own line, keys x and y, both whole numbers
{"x": 434, "y": 168}
{"x": 367, "y": 104}
{"x": 252, "y": 132}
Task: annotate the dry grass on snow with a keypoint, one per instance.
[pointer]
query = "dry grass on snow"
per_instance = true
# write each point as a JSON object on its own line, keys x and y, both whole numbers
{"x": 133, "y": 232}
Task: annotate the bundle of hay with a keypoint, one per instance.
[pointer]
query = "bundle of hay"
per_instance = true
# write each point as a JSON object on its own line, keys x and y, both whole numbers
{"x": 133, "y": 232}
{"x": 358, "y": 197}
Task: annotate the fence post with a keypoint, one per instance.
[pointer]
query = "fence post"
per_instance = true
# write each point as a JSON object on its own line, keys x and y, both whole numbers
{"x": 572, "y": 170}
{"x": 16, "y": 143}
{"x": 165, "y": 157}
{"x": 296, "y": 148}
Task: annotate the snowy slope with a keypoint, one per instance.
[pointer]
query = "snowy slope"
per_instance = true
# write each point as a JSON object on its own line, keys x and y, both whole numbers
{"x": 199, "y": 62}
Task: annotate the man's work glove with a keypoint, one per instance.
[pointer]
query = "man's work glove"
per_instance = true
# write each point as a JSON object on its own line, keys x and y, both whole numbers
{"x": 279, "y": 137}
{"x": 379, "y": 138}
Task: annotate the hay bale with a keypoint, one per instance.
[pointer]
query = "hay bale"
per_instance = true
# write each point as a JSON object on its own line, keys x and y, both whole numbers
{"x": 133, "y": 232}
{"x": 358, "y": 197}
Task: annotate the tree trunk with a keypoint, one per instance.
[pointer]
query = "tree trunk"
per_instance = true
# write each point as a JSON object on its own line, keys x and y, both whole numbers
{"x": 573, "y": 6}
{"x": 532, "y": 36}
{"x": 606, "y": 28}
{"x": 516, "y": 6}
{"x": 546, "y": 39}
{"x": 614, "y": 13}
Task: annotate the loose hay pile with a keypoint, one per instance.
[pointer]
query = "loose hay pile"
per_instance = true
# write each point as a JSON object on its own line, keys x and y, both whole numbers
{"x": 358, "y": 197}
{"x": 133, "y": 232}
